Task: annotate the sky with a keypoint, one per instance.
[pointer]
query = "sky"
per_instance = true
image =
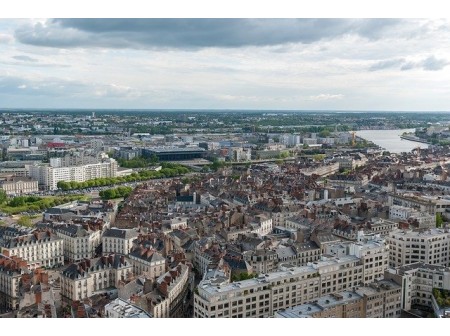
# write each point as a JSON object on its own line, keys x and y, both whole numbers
{"x": 286, "y": 64}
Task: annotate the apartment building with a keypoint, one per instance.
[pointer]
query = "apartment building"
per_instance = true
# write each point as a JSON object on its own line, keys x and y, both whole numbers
{"x": 147, "y": 261}
{"x": 382, "y": 226}
{"x": 122, "y": 309}
{"x": 299, "y": 254}
{"x": 428, "y": 246}
{"x": 424, "y": 220}
{"x": 10, "y": 274}
{"x": 344, "y": 304}
{"x": 418, "y": 203}
{"x": 261, "y": 261}
{"x": 79, "y": 243}
{"x": 268, "y": 293}
{"x": 417, "y": 281}
{"x": 207, "y": 254}
{"x": 374, "y": 256}
{"x": 261, "y": 226}
{"x": 380, "y": 299}
{"x": 168, "y": 298}
{"x": 16, "y": 186}
{"x": 118, "y": 240}
{"x": 84, "y": 279}
{"x": 49, "y": 176}
{"x": 39, "y": 249}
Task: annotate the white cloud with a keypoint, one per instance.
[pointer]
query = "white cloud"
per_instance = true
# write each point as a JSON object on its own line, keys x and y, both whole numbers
{"x": 331, "y": 71}
{"x": 326, "y": 96}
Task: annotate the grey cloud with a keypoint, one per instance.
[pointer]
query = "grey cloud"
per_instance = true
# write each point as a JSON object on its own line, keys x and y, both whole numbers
{"x": 25, "y": 58}
{"x": 431, "y": 63}
{"x": 5, "y": 38}
{"x": 194, "y": 33}
{"x": 50, "y": 87}
{"x": 55, "y": 87}
{"x": 408, "y": 66}
{"x": 386, "y": 64}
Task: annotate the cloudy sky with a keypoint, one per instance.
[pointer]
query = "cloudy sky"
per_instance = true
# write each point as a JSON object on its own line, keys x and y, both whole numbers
{"x": 355, "y": 64}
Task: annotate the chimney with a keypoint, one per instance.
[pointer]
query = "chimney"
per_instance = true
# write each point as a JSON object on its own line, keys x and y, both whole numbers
{"x": 38, "y": 297}
{"x": 80, "y": 311}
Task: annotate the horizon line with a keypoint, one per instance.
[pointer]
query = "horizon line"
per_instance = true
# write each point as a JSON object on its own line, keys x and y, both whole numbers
{"x": 3, "y": 109}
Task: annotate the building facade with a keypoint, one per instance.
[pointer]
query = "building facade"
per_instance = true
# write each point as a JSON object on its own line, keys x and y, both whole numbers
{"x": 427, "y": 246}
{"x": 39, "y": 249}
{"x": 268, "y": 293}
{"x": 84, "y": 279}
{"x": 118, "y": 240}
{"x": 79, "y": 243}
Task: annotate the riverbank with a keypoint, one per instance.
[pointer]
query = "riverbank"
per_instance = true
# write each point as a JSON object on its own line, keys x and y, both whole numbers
{"x": 414, "y": 138}
{"x": 392, "y": 140}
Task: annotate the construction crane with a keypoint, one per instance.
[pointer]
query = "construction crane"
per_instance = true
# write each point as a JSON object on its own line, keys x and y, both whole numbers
{"x": 353, "y": 138}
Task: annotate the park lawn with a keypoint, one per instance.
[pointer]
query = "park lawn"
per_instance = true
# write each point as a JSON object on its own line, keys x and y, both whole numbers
{"x": 42, "y": 204}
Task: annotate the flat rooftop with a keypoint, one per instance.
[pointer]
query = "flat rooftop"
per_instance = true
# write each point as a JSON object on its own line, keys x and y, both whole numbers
{"x": 175, "y": 149}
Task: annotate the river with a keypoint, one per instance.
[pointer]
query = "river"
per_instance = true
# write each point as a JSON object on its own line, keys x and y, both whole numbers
{"x": 390, "y": 140}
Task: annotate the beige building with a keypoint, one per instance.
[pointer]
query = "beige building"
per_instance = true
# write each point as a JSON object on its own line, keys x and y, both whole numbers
{"x": 268, "y": 293}
{"x": 262, "y": 261}
{"x": 147, "y": 261}
{"x": 382, "y": 299}
{"x": 378, "y": 300}
{"x": 41, "y": 248}
{"x": 16, "y": 186}
{"x": 91, "y": 276}
{"x": 417, "y": 281}
{"x": 118, "y": 240}
{"x": 79, "y": 243}
{"x": 427, "y": 246}
{"x": 10, "y": 274}
{"x": 122, "y": 309}
{"x": 168, "y": 297}
{"x": 344, "y": 304}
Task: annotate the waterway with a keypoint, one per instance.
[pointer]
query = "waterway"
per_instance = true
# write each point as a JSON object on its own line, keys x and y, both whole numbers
{"x": 390, "y": 140}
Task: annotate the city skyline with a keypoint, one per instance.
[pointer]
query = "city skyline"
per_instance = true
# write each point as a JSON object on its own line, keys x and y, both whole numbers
{"x": 285, "y": 64}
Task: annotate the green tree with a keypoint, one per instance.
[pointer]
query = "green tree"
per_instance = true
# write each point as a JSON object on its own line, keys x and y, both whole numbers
{"x": 319, "y": 157}
{"x": 3, "y": 196}
{"x": 24, "y": 221}
{"x": 439, "y": 220}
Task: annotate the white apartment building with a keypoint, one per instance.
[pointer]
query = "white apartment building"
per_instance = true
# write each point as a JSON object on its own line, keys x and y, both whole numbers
{"x": 417, "y": 281}
{"x": 262, "y": 226}
{"x": 118, "y": 240}
{"x": 48, "y": 176}
{"x": 374, "y": 255}
{"x": 10, "y": 274}
{"x": 265, "y": 295}
{"x": 16, "y": 186}
{"x": 427, "y": 246}
{"x": 401, "y": 212}
{"x": 147, "y": 261}
{"x": 84, "y": 279}
{"x": 380, "y": 299}
{"x": 38, "y": 249}
{"x": 123, "y": 309}
{"x": 172, "y": 285}
{"x": 382, "y": 226}
{"x": 79, "y": 243}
